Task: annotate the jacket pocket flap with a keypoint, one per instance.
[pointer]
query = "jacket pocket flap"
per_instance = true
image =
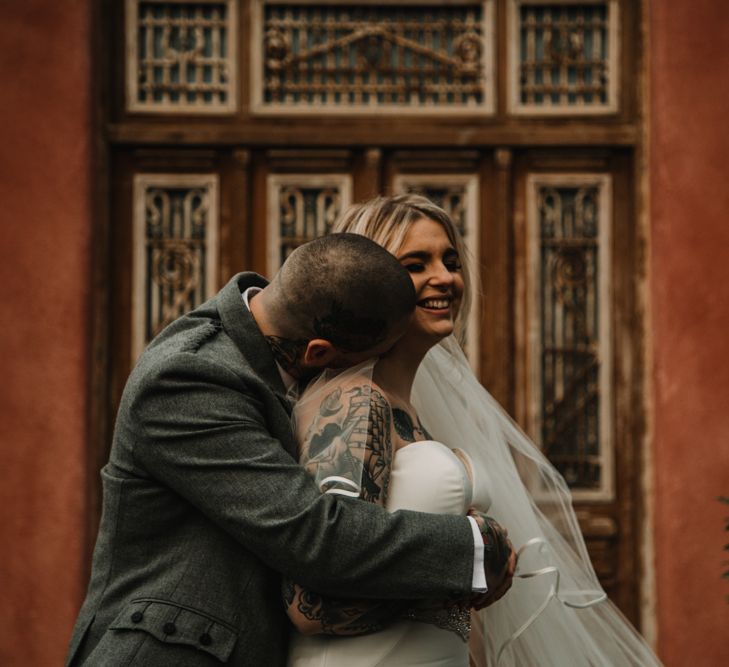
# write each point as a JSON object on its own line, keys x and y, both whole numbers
{"x": 178, "y": 624}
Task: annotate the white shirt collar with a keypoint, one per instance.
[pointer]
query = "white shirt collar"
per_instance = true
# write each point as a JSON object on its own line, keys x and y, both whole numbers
{"x": 288, "y": 380}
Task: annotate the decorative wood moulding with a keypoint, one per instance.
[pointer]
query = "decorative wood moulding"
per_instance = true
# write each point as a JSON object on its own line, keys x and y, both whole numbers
{"x": 569, "y": 318}
{"x": 437, "y": 160}
{"x": 181, "y": 56}
{"x": 175, "y": 249}
{"x": 337, "y": 132}
{"x": 604, "y": 557}
{"x": 598, "y": 159}
{"x": 365, "y": 57}
{"x": 458, "y": 195}
{"x": 188, "y": 159}
{"x": 597, "y": 526}
{"x": 563, "y": 57}
{"x": 309, "y": 160}
{"x": 302, "y": 207}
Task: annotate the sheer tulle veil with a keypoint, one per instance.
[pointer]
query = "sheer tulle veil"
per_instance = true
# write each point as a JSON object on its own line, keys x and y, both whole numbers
{"x": 556, "y": 612}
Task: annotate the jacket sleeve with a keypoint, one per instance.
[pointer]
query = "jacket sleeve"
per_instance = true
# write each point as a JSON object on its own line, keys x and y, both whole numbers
{"x": 196, "y": 427}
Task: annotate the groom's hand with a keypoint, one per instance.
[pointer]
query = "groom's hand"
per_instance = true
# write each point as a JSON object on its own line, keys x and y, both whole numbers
{"x": 499, "y": 560}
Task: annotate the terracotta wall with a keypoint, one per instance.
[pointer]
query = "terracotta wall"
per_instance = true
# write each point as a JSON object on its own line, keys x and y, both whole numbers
{"x": 690, "y": 293}
{"x": 44, "y": 272}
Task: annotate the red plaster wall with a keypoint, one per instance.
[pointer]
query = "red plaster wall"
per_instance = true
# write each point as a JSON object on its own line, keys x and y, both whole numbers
{"x": 45, "y": 274}
{"x": 689, "y": 119}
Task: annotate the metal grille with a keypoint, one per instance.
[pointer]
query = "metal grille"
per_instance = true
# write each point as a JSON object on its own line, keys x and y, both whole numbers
{"x": 566, "y": 60}
{"x": 175, "y": 249}
{"x": 349, "y": 57}
{"x": 302, "y": 208}
{"x": 180, "y": 56}
{"x": 573, "y": 348}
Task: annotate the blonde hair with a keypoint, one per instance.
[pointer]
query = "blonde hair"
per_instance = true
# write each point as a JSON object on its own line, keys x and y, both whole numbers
{"x": 386, "y": 220}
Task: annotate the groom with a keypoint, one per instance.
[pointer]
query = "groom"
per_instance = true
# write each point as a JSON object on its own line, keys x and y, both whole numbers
{"x": 204, "y": 505}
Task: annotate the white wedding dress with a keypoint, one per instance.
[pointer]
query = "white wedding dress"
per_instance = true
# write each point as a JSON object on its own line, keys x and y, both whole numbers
{"x": 556, "y": 613}
{"x": 426, "y": 476}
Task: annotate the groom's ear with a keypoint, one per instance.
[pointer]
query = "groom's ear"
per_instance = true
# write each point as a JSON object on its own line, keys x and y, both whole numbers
{"x": 319, "y": 353}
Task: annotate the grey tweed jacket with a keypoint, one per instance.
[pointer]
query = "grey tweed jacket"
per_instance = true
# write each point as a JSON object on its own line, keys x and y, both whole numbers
{"x": 204, "y": 507}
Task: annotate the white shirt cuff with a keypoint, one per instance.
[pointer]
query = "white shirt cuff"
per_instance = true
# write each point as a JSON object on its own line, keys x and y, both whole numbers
{"x": 479, "y": 572}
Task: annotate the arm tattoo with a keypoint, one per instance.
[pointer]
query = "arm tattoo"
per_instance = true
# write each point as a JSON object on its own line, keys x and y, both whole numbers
{"x": 332, "y": 403}
{"x": 356, "y": 444}
{"x": 358, "y": 447}
{"x": 346, "y": 617}
{"x": 378, "y": 450}
{"x": 288, "y": 591}
{"x": 406, "y": 428}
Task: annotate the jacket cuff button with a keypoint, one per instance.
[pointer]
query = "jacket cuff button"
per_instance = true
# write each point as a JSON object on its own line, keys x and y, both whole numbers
{"x": 206, "y": 639}
{"x": 137, "y": 617}
{"x": 169, "y": 628}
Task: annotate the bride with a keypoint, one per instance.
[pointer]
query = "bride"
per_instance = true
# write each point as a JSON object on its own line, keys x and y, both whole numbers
{"x": 449, "y": 448}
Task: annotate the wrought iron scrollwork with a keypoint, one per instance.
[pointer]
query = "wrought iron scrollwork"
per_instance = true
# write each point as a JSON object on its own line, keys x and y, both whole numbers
{"x": 570, "y": 332}
{"x": 565, "y": 60}
{"x": 343, "y": 56}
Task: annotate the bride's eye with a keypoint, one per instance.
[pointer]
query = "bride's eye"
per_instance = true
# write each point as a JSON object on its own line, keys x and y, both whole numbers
{"x": 452, "y": 263}
{"x": 416, "y": 267}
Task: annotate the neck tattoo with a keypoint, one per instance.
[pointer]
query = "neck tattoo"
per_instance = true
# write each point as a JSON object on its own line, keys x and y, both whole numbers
{"x": 287, "y": 353}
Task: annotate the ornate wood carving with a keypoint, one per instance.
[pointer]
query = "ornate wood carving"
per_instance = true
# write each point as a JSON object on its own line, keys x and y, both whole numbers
{"x": 563, "y": 56}
{"x": 570, "y": 323}
{"x": 302, "y": 207}
{"x": 175, "y": 249}
{"x": 181, "y": 56}
{"x": 344, "y": 57}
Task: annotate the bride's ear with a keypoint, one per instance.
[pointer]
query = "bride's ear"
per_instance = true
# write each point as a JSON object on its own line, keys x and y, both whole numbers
{"x": 319, "y": 353}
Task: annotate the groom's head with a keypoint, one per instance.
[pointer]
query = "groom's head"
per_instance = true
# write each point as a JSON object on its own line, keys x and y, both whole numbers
{"x": 336, "y": 301}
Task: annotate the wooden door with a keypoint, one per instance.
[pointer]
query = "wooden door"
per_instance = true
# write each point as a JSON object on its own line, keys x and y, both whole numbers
{"x": 553, "y": 334}
{"x": 237, "y": 129}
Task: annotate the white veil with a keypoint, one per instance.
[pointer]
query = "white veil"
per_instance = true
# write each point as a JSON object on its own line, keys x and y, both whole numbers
{"x": 556, "y": 612}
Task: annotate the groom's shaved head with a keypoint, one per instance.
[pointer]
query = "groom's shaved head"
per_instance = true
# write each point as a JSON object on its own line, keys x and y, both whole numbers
{"x": 343, "y": 288}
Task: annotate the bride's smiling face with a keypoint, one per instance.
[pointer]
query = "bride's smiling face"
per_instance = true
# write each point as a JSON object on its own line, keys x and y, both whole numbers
{"x": 433, "y": 263}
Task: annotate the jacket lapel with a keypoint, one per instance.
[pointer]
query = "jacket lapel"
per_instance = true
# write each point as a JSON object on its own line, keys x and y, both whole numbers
{"x": 243, "y": 330}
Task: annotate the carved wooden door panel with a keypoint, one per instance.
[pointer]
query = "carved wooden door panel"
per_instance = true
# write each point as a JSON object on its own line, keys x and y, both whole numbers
{"x": 238, "y": 129}
{"x": 554, "y": 336}
{"x": 577, "y": 382}
{"x": 553, "y": 245}
{"x": 551, "y": 233}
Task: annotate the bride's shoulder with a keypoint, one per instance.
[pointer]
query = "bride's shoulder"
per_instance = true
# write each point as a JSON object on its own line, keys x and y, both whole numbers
{"x": 358, "y": 393}
{"x": 333, "y": 397}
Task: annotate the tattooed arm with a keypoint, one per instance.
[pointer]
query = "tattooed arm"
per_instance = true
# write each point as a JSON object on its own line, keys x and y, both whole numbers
{"x": 348, "y": 446}
{"x": 314, "y": 614}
